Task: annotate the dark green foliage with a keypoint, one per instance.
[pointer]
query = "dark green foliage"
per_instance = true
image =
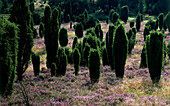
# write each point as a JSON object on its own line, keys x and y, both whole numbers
{"x": 80, "y": 18}
{"x": 109, "y": 45}
{"x": 54, "y": 33}
{"x": 103, "y": 43}
{"x": 22, "y": 17}
{"x": 107, "y": 20}
{"x": 68, "y": 52}
{"x": 84, "y": 41}
{"x": 35, "y": 33}
{"x": 4, "y": 7}
{"x": 134, "y": 30}
{"x": 71, "y": 7}
{"x": 79, "y": 30}
{"x": 115, "y": 17}
{"x": 132, "y": 24}
{"x": 154, "y": 7}
{"x": 75, "y": 42}
{"x": 120, "y": 50}
{"x": 168, "y": 49}
{"x": 53, "y": 69}
{"x": 1, "y": 4}
{"x": 99, "y": 43}
{"x": 147, "y": 29}
{"x": 32, "y": 23}
{"x": 92, "y": 41}
{"x": 36, "y": 17}
{"x": 153, "y": 24}
{"x": 138, "y": 22}
{"x": 141, "y": 16}
{"x": 165, "y": 25}
{"x": 86, "y": 52}
{"x": 8, "y": 56}
{"x": 124, "y": 13}
{"x": 91, "y": 31}
{"x": 86, "y": 14}
{"x": 79, "y": 46}
{"x": 157, "y": 24}
{"x": 47, "y": 37}
{"x": 63, "y": 38}
{"x": 36, "y": 64}
{"x": 51, "y": 21}
{"x": 129, "y": 33}
{"x": 41, "y": 30}
{"x": 165, "y": 51}
{"x": 107, "y": 5}
{"x": 110, "y": 15}
{"x": 132, "y": 42}
{"x": 99, "y": 32}
{"x": 31, "y": 1}
{"x": 60, "y": 16}
{"x": 61, "y": 62}
{"x": 92, "y": 22}
{"x": 32, "y": 8}
{"x": 143, "y": 58}
{"x": 155, "y": 55}
{"x": 94, "y": 65}
{"x": 105, "y": 56}
{"x": 71, "y": 24}
{"x": 167, "y": 22}
{"x": 68, "y": 11}
{"x": 134, "y": 6}
{"x": 161, "y": 20}
{"x": 77, "y": 59}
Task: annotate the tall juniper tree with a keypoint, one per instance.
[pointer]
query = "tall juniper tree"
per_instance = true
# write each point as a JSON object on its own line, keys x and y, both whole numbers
{"x": 120, "y": 50}
{"x": 47, "y": 22}
{"x": 51, "y": 21}
{"x": 8, "y": 56}
{"x": 55, "y": 32}
{"x": 21, "y": 15}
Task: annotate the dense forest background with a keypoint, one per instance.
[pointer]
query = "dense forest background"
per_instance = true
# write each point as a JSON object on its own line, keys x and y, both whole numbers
{"x": 99, "y": 8}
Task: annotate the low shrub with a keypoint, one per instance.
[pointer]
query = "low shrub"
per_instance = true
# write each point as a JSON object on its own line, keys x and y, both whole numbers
{"x": 155, "y": 55}
{"x": 77, "y": 60}
{"x": 94, "y": 65}
{"x": 36, "y": 64}
{"x": 63, "y": 37}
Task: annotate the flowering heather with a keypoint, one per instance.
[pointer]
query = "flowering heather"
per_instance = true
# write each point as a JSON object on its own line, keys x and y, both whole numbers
{"x": 135, "y": 89}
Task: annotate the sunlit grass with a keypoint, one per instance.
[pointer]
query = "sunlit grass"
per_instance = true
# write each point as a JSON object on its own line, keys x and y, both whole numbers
{"x": 145, "y": 88}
